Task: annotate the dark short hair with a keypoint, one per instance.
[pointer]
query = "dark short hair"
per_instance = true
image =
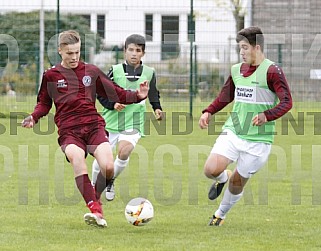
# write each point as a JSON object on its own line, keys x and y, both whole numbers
{"x": 253, "y": 35}
{"x": 135, "y": 39}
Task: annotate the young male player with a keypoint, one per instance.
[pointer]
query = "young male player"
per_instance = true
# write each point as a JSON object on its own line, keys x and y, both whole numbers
{"x": 125, "y": 123}
{"x": 72, "y": 86}
{"x": 255, "y": 85}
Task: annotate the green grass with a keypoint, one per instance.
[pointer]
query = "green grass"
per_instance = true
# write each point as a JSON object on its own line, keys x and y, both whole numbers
{"x": 42, "y": 210}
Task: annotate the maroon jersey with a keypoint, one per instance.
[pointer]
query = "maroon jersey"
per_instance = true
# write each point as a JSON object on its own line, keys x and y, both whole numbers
{"x": 276, "y": 82}
{"x": 73, "y": 91}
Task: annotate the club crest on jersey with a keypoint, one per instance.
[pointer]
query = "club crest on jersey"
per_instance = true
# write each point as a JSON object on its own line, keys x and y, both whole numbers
{"x": 86, "y": 80}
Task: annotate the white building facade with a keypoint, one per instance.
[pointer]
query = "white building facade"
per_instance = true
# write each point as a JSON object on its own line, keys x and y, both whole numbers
{"x": 165, "y": 24}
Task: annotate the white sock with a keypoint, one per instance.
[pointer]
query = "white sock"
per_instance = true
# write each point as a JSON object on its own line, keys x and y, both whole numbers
{"x": 222, "y": 178}
{"x": 227, "y": 203}
{"x": 95, "y": 171}
{"x": 119, "y": 166}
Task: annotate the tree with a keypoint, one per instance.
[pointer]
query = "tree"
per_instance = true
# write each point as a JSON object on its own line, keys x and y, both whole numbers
{"x": 238, "y": 13}
{"x": 24, "y": 28}
{"x": 20, "y": 32}
{"x": 237, "y": 7}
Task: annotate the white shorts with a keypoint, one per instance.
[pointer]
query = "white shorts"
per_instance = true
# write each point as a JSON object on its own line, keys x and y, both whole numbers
{"x": 250, "y": 156}
{"x": 130, "y": 136}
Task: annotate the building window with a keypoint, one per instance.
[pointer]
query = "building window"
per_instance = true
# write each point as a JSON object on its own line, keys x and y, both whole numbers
{"x": 170, "y": 31}
{"x": 191, "y": 28}
{"x": 149, "y": 27}
{"x": 101, "y": 25}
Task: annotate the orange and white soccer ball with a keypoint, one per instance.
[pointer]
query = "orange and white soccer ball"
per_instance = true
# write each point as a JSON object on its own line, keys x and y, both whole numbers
{"x": 139, "y": 211}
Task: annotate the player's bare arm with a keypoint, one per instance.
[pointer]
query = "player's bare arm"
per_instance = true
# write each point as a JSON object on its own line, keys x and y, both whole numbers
{"x": 204, "y": 120}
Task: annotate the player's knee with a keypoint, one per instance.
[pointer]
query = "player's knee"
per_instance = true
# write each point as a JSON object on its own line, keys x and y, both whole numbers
{"x": 207, "y": 172}
{"x": 108, "y": 169}
{"x": 210, "y": 171}
{"x": 124, "y": 153}
{"x": 237, "y": 183}
{"x": 76, "y": 161}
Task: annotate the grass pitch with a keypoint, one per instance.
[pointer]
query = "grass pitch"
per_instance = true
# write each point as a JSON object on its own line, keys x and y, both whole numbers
{"x": 41, "y": 209}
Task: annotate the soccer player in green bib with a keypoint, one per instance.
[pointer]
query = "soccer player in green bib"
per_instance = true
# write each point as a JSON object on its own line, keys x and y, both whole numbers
{"x": 125, "y": 123}
{"x": 261, "y": 95}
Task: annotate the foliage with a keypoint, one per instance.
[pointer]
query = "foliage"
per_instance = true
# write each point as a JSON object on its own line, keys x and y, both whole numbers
{"x": 238, "y": 9}
{"x": 238, "y": 13}
{"x": 24, "y": 79}
{"x": 24, "y": 29}
{"x": 209, "y": 81}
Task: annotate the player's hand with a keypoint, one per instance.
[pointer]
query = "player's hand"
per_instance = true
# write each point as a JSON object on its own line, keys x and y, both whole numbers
{"x": 143, "y": 90}
{"x": 259, "y": 119}
{"x": 118, "y": 107}
{"x": 158, "y": 114}
{"x": 204, "y": 120}
{"x": 28, "y": 122}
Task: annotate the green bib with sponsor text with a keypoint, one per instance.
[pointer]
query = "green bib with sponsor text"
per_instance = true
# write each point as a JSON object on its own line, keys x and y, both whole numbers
{"x": 252, "y": 96}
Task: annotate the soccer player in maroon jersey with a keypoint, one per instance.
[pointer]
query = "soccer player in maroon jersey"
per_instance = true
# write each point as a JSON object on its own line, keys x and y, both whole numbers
{"x": 72, "y": 86}
{"x": 261, "y": 95}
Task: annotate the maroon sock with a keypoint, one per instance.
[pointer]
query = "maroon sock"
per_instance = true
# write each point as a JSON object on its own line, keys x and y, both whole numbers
{"x": 101, "y": 184}
{"x": 86, "y": 189}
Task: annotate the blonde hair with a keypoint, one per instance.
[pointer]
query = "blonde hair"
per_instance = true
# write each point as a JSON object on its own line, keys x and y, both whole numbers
{"x": 68, "y": 37}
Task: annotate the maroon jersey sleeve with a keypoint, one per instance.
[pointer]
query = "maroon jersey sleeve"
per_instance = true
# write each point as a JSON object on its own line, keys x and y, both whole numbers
{"x": 44, "y": 101}
{"x": 277, "y": 83}
{"x": 225, "y": 97}
{"x": 108, "y": 89}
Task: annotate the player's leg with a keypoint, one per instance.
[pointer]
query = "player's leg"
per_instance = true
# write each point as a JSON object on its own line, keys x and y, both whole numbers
{"x": 104, "y": 156}
{"x": 113, "y": 139}
{"x": 215, "y": 169}
{"x": 121, "y": 161}
{"x": 76, "y": 156}
{"x": 99, "y": 147}
{"x": 125, "y": 148}
{"x": 231, "y": 196}
{"x": 249, "y": 162}
{"x": 126, "y": 144}
{"x": 223, "y": 153}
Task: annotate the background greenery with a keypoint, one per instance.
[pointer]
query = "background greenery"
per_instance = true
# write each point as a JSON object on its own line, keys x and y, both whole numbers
{"x": 23, "y": 28}
{"x": 41, "y": 209}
